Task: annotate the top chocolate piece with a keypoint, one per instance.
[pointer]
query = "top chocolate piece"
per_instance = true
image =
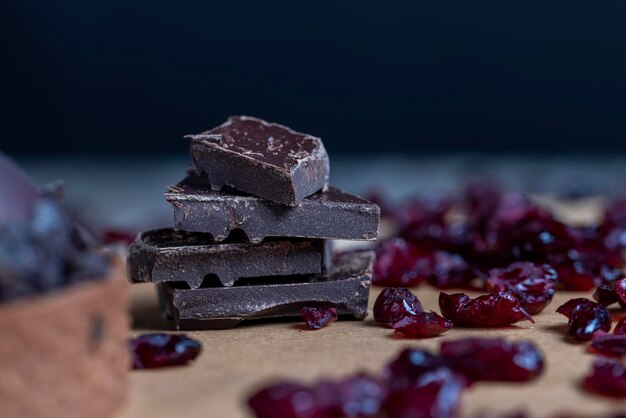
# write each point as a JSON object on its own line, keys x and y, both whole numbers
{"x": 267, "y": 160}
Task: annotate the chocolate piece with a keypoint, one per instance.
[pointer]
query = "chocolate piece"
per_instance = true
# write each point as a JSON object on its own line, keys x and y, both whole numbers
{"x": 165, "y": 255}
{"x": 265, "y": 159}
{"x": 64, "y": 354}
{"x": 345, "y": 288}
{"x": 331, "y": 214}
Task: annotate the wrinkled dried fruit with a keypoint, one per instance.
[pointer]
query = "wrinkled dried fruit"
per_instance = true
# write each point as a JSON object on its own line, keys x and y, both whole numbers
{"x": 401, "y": 264}
{"x": 450, "y": 271}
{"x": 394, "y": 303}
{"x": 585, "y": 318}
{"x": 357, "y": 396}
{"x": 318, "y": 318}
{"x": 153, "y": 351}
{"x": 285, "y": 400}
{"x": 620, "y": 290}
{"x": 605, "y": 295}
{"x": 532, "y": 284}
{"x": 494, "y": 310}
{"x": 422, "y": 221}
{"x": 620, "y": 327}
{"x": 493, "y": 359}
{"x": 411, "y": 363}
{"x": 608, "y": 378}
{"x": 612, "y": 345}
{"x": 112, "y": 236}
{"x": 587, "y": 262}
{"x": 435, "y": 394}
{"x": 422, "y": 325}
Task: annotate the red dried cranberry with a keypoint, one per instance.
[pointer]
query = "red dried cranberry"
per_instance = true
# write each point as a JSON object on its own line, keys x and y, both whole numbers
{"x": 450, "y": 271}
{"x": 318, "y": 318}
{"x": 515, "y": 229}
{"x": 284, "y": 400}
{"x": 493, "y": 359}
{"x": 435, "y": 394}
{"x": 609, "y": 344}
{"x": 422, "y": 220}
{"x": 605, "y": 295}
{"x": 356, "y": 396}
{"x": 411, "y": 363}
{"x": 394, "y": 303}
{"x": 585, "y": 318}
{"x": 422, "y": 325}
{"x": 494, "y": 310}
{"x": 620, "y": 327}
{"x": 401, "y": 264}
{"x": 620, "y": 290}
{"x": 111, "y": 236}
{"x": 532, "y": 284}
{"x": 152, "y": 351}
{"x": 587, "y": 263}
{"x": 608, "y": 378}
{"x": 481, "y": 196}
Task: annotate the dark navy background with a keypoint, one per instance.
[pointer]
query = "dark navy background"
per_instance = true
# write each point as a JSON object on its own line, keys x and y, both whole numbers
{"x": 114, "y": 77}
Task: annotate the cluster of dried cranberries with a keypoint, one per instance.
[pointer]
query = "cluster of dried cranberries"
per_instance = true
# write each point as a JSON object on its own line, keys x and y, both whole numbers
{"x": 513, "y": 244}
{"x": 417, "y": 383}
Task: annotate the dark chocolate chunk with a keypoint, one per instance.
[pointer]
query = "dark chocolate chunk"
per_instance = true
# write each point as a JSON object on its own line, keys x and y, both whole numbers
{"x": 265, "y": 159}
{"x": 165, "y": 255}
{"x": 345, "y": 287}
{"x": 331, "y": 214}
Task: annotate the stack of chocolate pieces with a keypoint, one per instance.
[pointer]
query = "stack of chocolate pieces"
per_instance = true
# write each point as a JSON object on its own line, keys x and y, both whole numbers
{"x": 253, "y": 224}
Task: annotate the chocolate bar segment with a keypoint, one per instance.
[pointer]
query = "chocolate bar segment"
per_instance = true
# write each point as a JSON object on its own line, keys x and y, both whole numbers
{"x": 165, "y": 255}
{"x": 264, "y": 159}
{"x": 331, "y": 214}
{"x": 345, "y": 287}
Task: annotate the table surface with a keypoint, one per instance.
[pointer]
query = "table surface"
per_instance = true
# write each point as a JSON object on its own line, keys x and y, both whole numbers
{"x": 235, "y": 362}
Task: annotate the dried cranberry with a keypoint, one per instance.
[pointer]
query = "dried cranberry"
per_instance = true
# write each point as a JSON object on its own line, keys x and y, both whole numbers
{"x": 401, "y": 264}
{"x": 422, "y": 325}
{"x": 587, "y": 263}
{"x": 620, "y": 290}
{"x": 613, "y": 225}
{"x": 409, "y": 366}
{"x": 608, "y": 378}
{"x": 481, "y": 196}
{"x": 532, "y": 284}
{"x": 394, "y": 303}
{"x": 152, "y": 351}
{"x": 450, "y": 271}
{"x": 494, "y": 310}
{"x": 620, "y": 327}
{"x": 318, "y": 318}
{"x": 435, "y": 394}
{"x": 605, "y": 295}
{"x": 111, "y": 236}
{"x": 357, "y": 396}
{"x": 585, "y": 318}
{"x": 515, "y": 229}
{"x": 285, "y": 400}
{"x": 423, "y": 222}
{"x": 609, "y": 344}
{"x": 493, "y": 359}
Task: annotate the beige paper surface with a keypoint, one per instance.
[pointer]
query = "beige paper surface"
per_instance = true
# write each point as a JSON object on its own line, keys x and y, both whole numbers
{"x": 237, "y": 361}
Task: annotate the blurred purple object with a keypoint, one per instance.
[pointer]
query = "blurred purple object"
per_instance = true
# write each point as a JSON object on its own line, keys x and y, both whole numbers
{"x": 18, "y": 193}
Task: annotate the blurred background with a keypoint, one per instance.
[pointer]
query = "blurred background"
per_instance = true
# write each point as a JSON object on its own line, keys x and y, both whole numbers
{"x": 404, "y": 96}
